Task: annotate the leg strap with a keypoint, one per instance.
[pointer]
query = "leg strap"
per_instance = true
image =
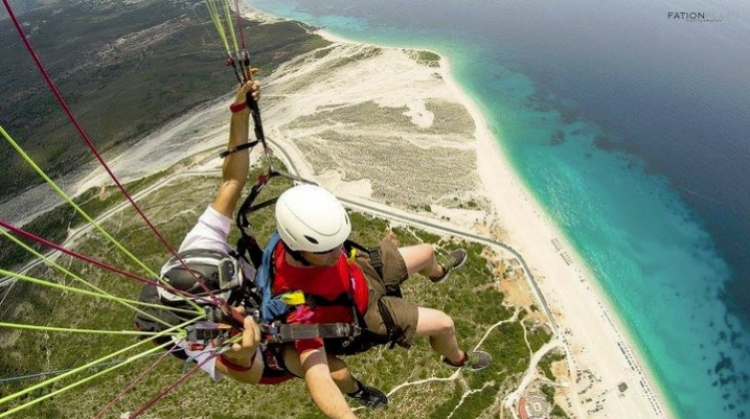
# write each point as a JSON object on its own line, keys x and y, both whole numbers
{"x": 394, "y": 332}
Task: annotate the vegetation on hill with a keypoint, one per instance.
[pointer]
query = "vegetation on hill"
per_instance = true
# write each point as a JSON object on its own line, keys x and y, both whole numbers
{"x": 55, "y": 224}
{"x": 124, "y": 67}
{"x": 22, "y": 6}
{"x": 476, "y": 308}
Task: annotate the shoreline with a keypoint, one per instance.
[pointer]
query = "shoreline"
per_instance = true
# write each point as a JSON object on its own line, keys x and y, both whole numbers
{"x": 491, "y": 173}
{"x": 490, "y": 170}
{"x": 547, "y": 250}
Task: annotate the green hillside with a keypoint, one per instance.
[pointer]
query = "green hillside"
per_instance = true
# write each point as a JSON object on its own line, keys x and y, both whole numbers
{"x": 127, "y": 67}
{"x": 124, "y": 67}
{"x": 469, "y": 296}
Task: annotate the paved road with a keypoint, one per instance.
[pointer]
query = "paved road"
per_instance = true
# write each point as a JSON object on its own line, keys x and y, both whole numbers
{"x": 397, "y": 215}
{"x": 380, "y": 211}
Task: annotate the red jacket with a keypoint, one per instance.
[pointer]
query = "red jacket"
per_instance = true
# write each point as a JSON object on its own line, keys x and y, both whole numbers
{"x": 322, "y": 282}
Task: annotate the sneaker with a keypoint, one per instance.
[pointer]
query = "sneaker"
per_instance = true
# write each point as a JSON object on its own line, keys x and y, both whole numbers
{"x": 474, "y": 360}
{"x": 369, "y": 396}
{"x": 455, "y": 259}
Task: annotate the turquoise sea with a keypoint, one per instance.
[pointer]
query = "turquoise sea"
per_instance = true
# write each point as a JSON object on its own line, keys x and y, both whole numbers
{"x": 630, "y": 122}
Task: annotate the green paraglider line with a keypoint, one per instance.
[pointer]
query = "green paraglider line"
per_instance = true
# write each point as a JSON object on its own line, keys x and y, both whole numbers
{"x": 77, "y": 383}
{"x": 38, "y": 281}
{"x": 228, "y": 17}
{"x": 74, "y": 330}
{"x": 48, "y": 373}
{"x": 177, "y": 331}
{"x": 216, "y": 18}
{"x": 70, "y": 202}
{"x": 126, "y": 303}
{"x": 64, "y": 105}
{"x": 167, "y": 332}
{"x": 83, "y": 214}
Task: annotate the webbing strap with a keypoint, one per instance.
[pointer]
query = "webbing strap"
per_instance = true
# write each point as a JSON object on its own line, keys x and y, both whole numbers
{"x": 204, "y": 332}
{"x": 376, "y": 261}
{"x": 279, "y": 332}
{"x": 373, "y": 252}
{"x": 248, "y": 249}
{"x": 344, "y": 299}
{"x": 240, "y": 147}
{"x": 395, "y": 333}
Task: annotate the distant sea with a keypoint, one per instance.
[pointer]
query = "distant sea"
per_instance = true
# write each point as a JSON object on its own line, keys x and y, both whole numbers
{"x": 630, "y": 122}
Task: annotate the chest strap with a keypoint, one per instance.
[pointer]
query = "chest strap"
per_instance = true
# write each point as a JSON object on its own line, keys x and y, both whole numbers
{"x": 344, "y": 299}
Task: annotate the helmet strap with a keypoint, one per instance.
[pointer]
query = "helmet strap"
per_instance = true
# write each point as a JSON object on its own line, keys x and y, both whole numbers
{"x": 296, "y": 255}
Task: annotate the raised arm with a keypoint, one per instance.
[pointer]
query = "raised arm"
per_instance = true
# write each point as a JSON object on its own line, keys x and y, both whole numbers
{"x": 236, "y": 165}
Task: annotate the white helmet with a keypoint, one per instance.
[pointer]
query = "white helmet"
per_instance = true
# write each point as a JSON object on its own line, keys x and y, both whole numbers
{"x": 311, "y": 219}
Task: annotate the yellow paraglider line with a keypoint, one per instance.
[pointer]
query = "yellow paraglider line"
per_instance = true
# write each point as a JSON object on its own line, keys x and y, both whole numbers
{"x": 178, "y": 330}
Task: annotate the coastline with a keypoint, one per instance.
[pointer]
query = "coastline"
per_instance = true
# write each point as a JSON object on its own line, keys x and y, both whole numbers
{"x": 497, "y": 174}
{"x": 599, "y": 340}
{"x": 558, "y": 258}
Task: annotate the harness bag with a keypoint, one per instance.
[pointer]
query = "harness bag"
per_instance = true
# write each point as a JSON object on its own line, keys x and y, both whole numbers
{"x": 144, "y": 323}
{"x": 219, "y": 272}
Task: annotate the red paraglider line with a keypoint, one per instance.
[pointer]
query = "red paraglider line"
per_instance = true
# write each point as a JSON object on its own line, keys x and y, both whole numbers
{"x": 85, "y": 137}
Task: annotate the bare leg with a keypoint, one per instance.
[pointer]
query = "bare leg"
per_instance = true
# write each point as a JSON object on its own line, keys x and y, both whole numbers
{"x": 341, "y": 375}
{"x": 421, "y": 259}
{"x": 339, "y": 371}
{"x": 440, "y": 330}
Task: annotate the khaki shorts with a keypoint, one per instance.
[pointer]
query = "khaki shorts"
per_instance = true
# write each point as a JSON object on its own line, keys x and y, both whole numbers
{"x": 404, "y": 313}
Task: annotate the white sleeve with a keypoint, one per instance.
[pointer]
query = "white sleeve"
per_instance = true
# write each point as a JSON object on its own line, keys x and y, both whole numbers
{"x": 209, "y": 233}
{"x": 199, "y": 356}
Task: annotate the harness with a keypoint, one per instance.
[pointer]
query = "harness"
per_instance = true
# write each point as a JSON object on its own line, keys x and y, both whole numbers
{"x": 221, "y": 323}
{"x": 276, "y": 307}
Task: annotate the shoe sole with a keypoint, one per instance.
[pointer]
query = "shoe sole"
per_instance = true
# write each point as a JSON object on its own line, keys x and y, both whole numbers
{"x": 443, "y": 279}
